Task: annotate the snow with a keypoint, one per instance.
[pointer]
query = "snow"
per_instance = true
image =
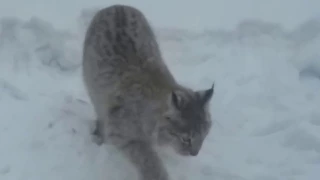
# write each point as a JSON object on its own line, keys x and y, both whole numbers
{"x": 265, "y": 108}
{"x": 219, "y": 13}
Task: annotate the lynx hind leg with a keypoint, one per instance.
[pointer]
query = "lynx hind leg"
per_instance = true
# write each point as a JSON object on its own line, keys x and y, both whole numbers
{"x": 98, "y": 132}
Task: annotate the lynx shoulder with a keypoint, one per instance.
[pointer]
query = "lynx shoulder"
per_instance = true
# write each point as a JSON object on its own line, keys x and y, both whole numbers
{"x": 138, "y": 102}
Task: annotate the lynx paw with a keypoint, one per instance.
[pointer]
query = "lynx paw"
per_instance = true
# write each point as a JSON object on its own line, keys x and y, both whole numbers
{"x": 97, "y": 133}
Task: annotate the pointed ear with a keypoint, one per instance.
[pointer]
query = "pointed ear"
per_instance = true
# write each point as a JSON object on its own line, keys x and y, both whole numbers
{"x": 176, "y": 100}
{"x": 206, "y": 95}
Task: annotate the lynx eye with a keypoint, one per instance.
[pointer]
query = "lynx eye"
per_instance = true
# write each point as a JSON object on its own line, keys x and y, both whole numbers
{"x": 168, "y": 118}
{"x": 186, "y": 140}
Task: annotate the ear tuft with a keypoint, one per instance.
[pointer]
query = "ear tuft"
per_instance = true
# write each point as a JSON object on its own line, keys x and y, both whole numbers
{"x": 206, "y": 95}
{"x": 176, "y": 99}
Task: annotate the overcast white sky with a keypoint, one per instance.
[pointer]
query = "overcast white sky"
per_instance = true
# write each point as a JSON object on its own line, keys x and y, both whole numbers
{"x": 179, "y": 13}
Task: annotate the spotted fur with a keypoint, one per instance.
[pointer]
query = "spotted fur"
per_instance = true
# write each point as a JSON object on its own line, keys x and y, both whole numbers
{"x": 138, "y": 103}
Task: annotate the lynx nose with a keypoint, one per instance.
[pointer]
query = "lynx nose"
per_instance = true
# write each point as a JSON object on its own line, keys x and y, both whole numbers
{"x": 194, "y": 152}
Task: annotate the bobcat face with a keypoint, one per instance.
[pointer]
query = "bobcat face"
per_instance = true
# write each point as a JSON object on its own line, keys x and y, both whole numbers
{"x": 187, "y": 122}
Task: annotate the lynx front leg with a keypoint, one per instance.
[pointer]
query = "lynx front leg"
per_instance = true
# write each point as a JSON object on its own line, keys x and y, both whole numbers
{"x": 98, "y": 132}
{"x": 124, "y": 130}
{"x": 146, "y": 160}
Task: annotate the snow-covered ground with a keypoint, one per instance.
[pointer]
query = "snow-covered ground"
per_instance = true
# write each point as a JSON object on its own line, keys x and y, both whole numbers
{"x": 265, "y": 107}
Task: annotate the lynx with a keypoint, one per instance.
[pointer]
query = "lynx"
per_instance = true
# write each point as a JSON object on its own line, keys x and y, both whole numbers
{"x": 139, "y": 104}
